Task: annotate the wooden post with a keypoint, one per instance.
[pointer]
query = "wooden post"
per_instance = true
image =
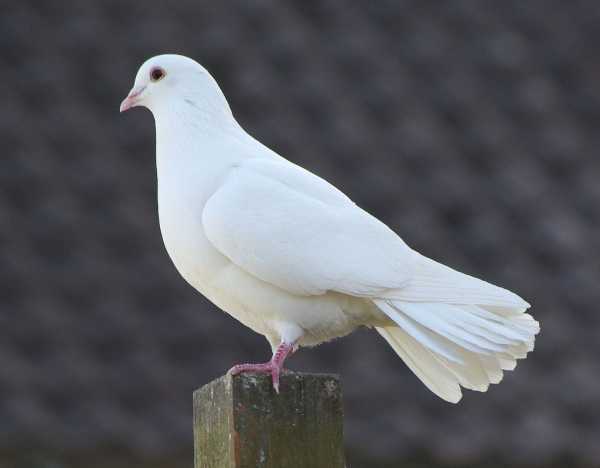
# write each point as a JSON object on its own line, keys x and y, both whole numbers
{"x": 240, "y": 422}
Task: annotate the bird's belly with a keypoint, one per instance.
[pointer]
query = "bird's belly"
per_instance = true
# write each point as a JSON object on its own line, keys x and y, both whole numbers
{"x": 267, "y": 309}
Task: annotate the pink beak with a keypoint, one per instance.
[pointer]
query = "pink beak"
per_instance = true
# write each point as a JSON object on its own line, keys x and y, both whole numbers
{"x": 132, "y": 99}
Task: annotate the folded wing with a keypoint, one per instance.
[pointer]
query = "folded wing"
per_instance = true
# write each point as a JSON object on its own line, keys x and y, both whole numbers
{"x": 294, "y": 230}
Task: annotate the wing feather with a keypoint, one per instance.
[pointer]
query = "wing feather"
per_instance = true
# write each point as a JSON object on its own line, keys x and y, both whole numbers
{"x": 292, "y": 229}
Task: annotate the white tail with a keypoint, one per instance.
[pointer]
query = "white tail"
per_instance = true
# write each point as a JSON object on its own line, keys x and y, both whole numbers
{"x": 454, "y": 330}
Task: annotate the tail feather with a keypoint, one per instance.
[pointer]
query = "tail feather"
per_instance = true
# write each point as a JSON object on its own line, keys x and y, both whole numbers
{"x": 472, "y": 375}
{"x": 431, "y": 339}
{"x": 456, "y": 330}
{"x": 453, "y": 345}
{"x": 507, "y": 362}
{"x": 436, "y": 377}
{"x": 493, "y": 368}
{"x": 451, "y": 324}
{"x": 434, "y": 282}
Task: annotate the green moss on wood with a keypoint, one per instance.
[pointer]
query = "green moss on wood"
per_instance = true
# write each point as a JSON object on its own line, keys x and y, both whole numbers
{"x": 240, "y": 422}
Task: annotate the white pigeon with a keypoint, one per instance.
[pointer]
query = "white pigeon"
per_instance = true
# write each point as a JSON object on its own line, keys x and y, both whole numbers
{"x": 294, "y": 259}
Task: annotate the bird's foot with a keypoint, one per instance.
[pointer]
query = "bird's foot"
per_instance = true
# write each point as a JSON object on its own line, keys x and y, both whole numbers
{"x": 262, "y": 368}
{"x": 273, "y": 367}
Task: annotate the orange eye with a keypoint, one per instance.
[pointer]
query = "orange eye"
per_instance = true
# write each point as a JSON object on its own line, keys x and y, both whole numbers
{"x": 157, "y": 74}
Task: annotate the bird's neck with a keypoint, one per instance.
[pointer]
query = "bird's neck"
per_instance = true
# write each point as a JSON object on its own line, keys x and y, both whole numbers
{"x": 187, "y": 122}
{"x": 193, "y": 115}
{"x": 192, "y": 136}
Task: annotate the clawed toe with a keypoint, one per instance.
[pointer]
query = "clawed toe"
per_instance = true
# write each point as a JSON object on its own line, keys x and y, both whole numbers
{"x": 273, "y": 367}
{"x": 262, "y": 368}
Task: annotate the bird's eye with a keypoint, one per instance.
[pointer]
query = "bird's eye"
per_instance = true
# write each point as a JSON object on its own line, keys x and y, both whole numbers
{"x": 157, "y": 74}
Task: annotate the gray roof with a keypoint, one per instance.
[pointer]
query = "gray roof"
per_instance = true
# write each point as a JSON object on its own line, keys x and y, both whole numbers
{"x": 471, "y": 128}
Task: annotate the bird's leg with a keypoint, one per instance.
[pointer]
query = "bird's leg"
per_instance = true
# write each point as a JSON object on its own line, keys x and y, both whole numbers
{"x": 273, "y": 367}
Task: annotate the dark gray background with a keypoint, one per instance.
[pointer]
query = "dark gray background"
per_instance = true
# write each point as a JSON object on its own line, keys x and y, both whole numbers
{"x": 470, "y": 127}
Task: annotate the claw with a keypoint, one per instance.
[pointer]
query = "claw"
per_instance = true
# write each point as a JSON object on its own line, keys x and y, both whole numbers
{"x": 273, "y": 367}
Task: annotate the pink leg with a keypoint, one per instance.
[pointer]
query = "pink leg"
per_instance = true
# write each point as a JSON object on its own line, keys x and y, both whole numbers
{"x": 273, "y": 367}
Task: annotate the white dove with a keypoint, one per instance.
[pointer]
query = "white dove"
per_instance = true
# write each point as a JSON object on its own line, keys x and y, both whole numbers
{"x": 294, "y": 259}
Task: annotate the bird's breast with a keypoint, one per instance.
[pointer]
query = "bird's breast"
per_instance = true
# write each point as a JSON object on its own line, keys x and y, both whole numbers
{"x": 181, "y": 201}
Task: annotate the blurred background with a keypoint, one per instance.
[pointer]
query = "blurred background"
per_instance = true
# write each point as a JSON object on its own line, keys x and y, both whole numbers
{"x": 470, "y": 127}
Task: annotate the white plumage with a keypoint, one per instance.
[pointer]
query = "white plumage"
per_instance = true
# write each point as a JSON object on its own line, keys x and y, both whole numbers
{"x": 294, "y": 259}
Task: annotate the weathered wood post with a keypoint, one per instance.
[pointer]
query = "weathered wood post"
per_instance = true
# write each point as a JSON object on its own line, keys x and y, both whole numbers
{"x": 240, "y": 422}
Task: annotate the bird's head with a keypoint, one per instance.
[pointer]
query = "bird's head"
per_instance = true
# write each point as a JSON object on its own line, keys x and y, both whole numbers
{"x": 168, "y": 81}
